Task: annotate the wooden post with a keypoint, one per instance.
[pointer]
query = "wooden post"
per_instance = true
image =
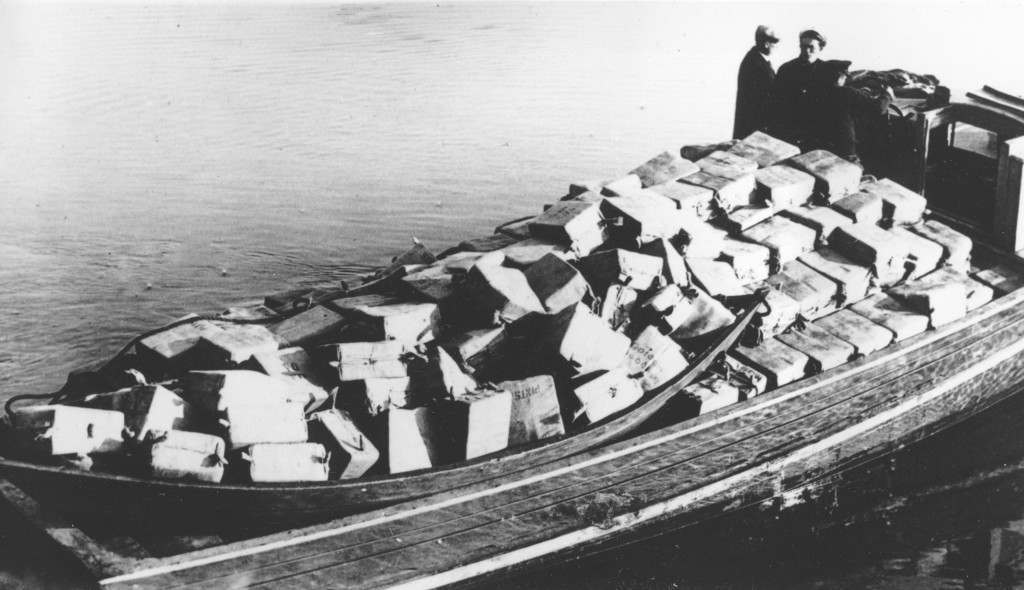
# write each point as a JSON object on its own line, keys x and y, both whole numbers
{"x": 1008, "y": 222}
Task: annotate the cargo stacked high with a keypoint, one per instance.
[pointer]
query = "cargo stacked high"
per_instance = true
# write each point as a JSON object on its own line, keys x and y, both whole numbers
{"x": 554, "y": 324}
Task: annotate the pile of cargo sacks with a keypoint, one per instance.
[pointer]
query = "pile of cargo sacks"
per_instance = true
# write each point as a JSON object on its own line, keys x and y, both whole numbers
{"x": 548, "y": 325}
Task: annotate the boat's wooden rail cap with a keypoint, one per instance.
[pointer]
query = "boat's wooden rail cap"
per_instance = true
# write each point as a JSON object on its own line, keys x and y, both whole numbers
{"x": 976, "y": 109}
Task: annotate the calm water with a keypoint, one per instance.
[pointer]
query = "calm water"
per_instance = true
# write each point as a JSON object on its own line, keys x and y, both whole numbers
{"x": 161, "y": 159}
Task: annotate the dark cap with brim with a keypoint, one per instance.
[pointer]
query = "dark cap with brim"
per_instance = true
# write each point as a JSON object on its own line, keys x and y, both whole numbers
{"x": 812, "y": 34}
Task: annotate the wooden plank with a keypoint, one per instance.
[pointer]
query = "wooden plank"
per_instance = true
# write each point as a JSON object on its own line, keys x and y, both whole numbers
{"x": 938, "y": 358}
{"x": 66, "y": 537}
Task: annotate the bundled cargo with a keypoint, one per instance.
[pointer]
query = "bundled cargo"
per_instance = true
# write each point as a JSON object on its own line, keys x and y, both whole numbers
{"x": 890, "y": 314}
{"x": 784, "y": 238}
{"x": 654, "y": 358}
{"x": 607, "y": 393}
{"x": 751, "y": 262}
{"x": 496, "y": 294}
{"x": 281, "y": 462}
{"x": 148, "y": 410}
{"x": 923, "y": 254}
{"x": 899, "y": 204}
{"x": 685, "y": 314}
{"x": 865, "y": 336}
{"x": 957, "y": 246}
{"x": 479, "y": 422}
{"x": 778, "y": 312}
{"x": 823, "y": 220}
{"x": 673, "y": 268}
{"x": 581, "y": 340}
{"x": 815, "y": 293}
{"x": 232, "y": 345}
{"x": 726, "y": 165}
{"x": 263, "y": 421}
{"x": 617, "y": 306}
{"x": 763, "y": 149}
{"x": 743, "y": 218}
{"x": 941, "y": 295}
{"x": 188, "y": 456}
{"x": 713, "y": 393}
{"x": 853, "y": 281}
{"x": 642, "y": 216}
{"x": 556, "y": 283}
{"x": 519, "y": 228}
{"x": 526, "y": 252}
{"x": 413, "y": 439}
{"x": 67, "y": 430}
{"x": 694, "y": 152}
{"x": 317, "y": 325}
{"x": 729, "y": 192}
{"x": 633, "y": 269}
{"x": 371, "y": 360}
{"x": 701, "y": 240}
{"x": 373, "y": 395}
{"x": 691, "y": 199}
{"x": 872, "y": 245}
{"x": 536, "y": 412}
{"x": 297, "y": 366}
{"x": 835, "y": 176}
{"x": 776, "y": 360}
{"x": 825, "y": 350}
{"x": 626, "y": 185}
{"x": 433, "y": 283}
{"x": 168, "y": 351}
{"x": 215, "y": 391}
{"x": 665, "y": 167}
{"x": 860, "y": 207}
{"x": 747, "y": 379}
{"x": 383, "y": 317}
{"x": 783, "y": 187}
{"x": 350, "y": 452}
{"x": 717, "y": 278}
{"x": 1001, "y": 278}
{"x": 437, "y": 375}
{"x": 575, "y": 224}
{"x": 478, "y": 350}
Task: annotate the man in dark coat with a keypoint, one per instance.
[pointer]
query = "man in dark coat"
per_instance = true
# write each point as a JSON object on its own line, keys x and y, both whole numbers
{"x": 754, "y": 84}
{"x": 798, "y": 92}
{"x": 841, "y": 109}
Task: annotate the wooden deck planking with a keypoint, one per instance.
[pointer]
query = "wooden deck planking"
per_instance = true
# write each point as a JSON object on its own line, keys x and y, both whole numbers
{"x": 659, "y": 487}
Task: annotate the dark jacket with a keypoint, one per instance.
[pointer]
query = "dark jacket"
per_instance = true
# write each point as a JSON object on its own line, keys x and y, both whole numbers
{"x": 798, "y": 92}
{"x": 838, "y": 115}
{"x": 753, "y": 94}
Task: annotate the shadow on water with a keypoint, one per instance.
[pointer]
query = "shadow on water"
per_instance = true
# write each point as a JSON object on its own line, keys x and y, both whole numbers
{"x": 944, "y": 513}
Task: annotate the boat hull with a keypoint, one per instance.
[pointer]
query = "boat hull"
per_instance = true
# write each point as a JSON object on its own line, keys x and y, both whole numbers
{"x": 769, "y": 449}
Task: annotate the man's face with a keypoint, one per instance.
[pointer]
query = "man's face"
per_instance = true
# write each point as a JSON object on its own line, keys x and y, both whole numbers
{"x": 809, "y": 49}
{"x": 767, "y": 45}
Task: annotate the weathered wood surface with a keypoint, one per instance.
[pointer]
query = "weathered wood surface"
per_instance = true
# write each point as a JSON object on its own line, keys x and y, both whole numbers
{"x": 772, "y": 443}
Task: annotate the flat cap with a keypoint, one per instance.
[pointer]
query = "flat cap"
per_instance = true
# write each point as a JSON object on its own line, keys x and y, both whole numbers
{"x": 812, "y": 34}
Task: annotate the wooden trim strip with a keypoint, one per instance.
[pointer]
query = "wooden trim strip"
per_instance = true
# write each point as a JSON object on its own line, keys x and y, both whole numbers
{"x": 384, "y": 517}
{"x": 622, "y": 522}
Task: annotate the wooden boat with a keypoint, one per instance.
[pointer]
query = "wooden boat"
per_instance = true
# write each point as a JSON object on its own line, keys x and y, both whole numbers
{"x": 772, "y": 449}
{"x": 191, "y": 506}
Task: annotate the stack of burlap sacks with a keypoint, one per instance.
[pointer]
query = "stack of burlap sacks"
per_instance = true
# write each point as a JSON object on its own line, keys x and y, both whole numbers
{"x": 550, "y": 324}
